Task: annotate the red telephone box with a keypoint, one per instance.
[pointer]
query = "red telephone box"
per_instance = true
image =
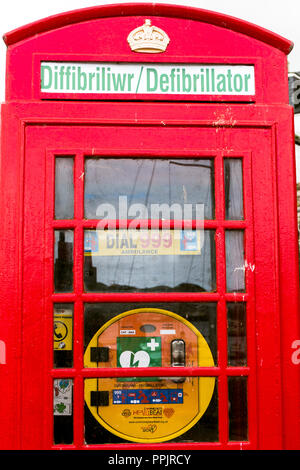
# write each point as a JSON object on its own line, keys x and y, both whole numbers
{"x": 149, "y": 266}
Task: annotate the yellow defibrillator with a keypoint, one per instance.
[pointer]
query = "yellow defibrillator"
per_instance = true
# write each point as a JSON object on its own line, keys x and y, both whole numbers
{"x": 148, "y": 409}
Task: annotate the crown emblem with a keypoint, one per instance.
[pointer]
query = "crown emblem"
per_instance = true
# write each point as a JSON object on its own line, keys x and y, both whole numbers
{"x": 148, "y": 38}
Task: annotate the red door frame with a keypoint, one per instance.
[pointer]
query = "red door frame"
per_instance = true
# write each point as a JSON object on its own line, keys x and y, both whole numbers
{"x": 26, "y": 256}
{"x": 273, "y": 354}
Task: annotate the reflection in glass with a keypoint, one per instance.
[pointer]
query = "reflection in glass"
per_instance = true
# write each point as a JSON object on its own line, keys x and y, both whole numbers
{"x": 235, "y": 261}
{"x": 63, "y": 335}
{"x": 184, "y": 265}
{"x": 145, "y": 410}
{"x": 238, "y": 408}
{"x": 63, "y": 411}
{"x": 233, "y": 172}
{"x": 236, "y": 330}
{"x": 146, "y": 182}
{"x": 63, "y": 260}
{"x": 64, "y": 188}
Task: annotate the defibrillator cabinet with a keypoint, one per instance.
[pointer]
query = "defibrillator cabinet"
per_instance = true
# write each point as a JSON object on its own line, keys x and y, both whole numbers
{"x": 149, "y": 259}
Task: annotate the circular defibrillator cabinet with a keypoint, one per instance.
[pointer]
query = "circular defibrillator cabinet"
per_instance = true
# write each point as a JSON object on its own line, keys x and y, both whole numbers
{"x": 149, "y": 263}
{"x": 148, "y": 410}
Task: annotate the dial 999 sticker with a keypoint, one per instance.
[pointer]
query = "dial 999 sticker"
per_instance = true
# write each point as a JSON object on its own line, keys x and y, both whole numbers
{"x": 143, "y": 242}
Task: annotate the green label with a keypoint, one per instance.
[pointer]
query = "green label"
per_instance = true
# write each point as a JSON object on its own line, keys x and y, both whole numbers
{"x": 139, "y": 352}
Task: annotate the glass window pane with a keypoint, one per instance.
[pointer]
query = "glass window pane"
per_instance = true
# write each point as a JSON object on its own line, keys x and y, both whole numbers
{"x": 150, "y": 410}
{"x": 63, "y": 335}
{"x": 64, "y": 188}
{"x": 236, "y": 334}
{"x": 238, "y": 408}
{"x": 202, "y": 317}
{"x": 63, "y": 411}
{"x": 233, "y": 171}
{"x": 235, "y": 261}
{"x": 63, "y": 260}
{"x": 147, "y": 183}
{"x": 149, "y": 261}
{"x": 122, "y": 335}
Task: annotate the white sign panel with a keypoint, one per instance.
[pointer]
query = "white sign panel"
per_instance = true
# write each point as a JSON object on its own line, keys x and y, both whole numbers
{"x": 99, "y": 78}
{"x": 62, "y": 397}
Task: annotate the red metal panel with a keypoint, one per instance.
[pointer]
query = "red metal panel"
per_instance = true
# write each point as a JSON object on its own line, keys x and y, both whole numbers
{"x": 11, "y": 278}
{"x": 100, "y": 34}
{"x": 33, "y": 312}
{"x": 176, "y": 11}
{"x": 237, "y": 140}
{"x": 225, "y": 131}
{"x": 266, "y": 300}
{"x": 34, "y": 130}
{"x": 288, "y": 279}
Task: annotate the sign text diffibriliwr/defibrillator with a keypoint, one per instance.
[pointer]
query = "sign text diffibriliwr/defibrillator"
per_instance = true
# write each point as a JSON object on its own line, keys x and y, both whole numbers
{"x": 124, "y": 78}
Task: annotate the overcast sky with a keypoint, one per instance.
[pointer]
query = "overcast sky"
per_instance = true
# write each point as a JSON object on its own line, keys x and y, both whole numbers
{"x": 281, "y": 17}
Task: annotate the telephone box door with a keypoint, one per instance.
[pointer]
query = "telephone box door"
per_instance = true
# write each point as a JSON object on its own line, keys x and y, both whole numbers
{"x": 150, "y": 236}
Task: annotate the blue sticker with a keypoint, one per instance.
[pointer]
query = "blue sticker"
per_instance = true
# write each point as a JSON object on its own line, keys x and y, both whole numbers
{"x": 189, "y": 240}
{"x": 91, "y": 242}
{"x": 149, "y": 397}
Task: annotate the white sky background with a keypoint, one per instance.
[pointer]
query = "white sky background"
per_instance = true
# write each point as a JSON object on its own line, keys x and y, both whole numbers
{"x": 281, "y": 17}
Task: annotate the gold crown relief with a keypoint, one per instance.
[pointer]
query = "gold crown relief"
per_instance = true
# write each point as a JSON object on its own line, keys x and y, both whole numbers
{"x": 148, "y": 38}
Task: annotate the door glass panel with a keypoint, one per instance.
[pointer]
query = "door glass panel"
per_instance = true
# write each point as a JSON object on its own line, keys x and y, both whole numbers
{"x": 123, "y": 408}
{"x": 238, "y": 408}
{"x": 147, "y": 183}
{"x": 63, "y": 411}
{"x": 63, "y": 335}
{"x": 172, "y": 261}
{"x": 64, "y": 188}
{"x": 63, "y": 260}
{"x": 202, "y": 317}
{"x": 151, "y": 410}
{"x": 236, "y": 329}
{"x": 235, "y": 261}
{"x": 233, "y": 172}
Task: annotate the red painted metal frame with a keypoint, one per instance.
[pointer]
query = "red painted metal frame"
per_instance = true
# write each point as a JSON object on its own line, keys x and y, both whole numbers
{"x": 221, "y": 295}
{"x": 176, "y": 11}
{"x": 229, "y": 41}
{"x": 265, "y": 333}
{"x": 219, "y": 224}
{"x": 34, "y": 131}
